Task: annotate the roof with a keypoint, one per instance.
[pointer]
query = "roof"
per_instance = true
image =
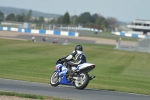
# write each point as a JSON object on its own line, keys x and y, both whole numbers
{"x": 141, "y": 21}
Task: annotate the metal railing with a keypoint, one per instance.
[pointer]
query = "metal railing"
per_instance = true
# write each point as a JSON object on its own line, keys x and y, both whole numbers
{"x": 142, "y": 45}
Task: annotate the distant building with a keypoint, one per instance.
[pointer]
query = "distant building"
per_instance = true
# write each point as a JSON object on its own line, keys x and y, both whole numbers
{"x": 140, "y": 26}
{"x": 45, "y": 19}
{"x": 48, "y": 19}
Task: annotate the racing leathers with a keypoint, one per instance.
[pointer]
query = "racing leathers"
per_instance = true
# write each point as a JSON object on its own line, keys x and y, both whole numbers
{"x": 74, "y": 59}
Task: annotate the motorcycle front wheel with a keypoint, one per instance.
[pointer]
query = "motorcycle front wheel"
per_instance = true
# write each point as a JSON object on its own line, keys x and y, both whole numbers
{"x": 82, "y": 81}
{"x": 54, "y": 80}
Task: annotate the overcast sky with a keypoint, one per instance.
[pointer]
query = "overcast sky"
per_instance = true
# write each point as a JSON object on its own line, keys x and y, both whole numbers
{"x": 123, "y": 10}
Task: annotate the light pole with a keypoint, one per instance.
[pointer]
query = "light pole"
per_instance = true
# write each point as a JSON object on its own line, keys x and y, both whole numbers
{"x": 74, "y": 17}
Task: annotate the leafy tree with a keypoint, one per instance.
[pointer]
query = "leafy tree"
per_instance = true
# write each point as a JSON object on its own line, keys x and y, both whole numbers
{"x": 23, "y": 15}
{"x": 74, "y": 20}
{"x": 29, "y": 16}
{"x": 59, "y": 20}
{"x": 66, "y": 18}
{"x": 35, "y": 20}
{"x": 85, "y": 18}
{"x": 19, "y": 18}
{"x": 1, "y": 16}
{"x": 101, "y": 21}
{"x": 112, "y": 23}
{"x": 54, "y": 21}
{"x": 10, "y": 17}
{"x": 94, "y": 17}
{"x": 41, "y": 19}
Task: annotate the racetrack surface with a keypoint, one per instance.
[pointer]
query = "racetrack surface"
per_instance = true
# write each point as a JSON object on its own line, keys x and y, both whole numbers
{"x": 61, "y": 39}
{"x": 65, "y": 92}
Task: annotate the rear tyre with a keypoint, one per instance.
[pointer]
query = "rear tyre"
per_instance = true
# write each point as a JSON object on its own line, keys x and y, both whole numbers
{"x": 54, "y": 80}
{"x": 82, "y": 81}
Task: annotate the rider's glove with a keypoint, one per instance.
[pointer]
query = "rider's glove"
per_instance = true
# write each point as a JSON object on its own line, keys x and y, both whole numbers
{"x": 63, "y": 60}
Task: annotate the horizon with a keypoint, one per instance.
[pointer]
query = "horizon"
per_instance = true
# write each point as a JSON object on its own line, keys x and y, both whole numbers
{"x": 45, "y": 12}
{"x": 28, "y": 9}
{"x": 122, "y": 10}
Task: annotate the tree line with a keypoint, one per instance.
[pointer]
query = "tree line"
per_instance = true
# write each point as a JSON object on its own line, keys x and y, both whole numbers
{"x": 87, "y": 20}
{"x": 22, "y": 17}
{"x": 84, "y": 19}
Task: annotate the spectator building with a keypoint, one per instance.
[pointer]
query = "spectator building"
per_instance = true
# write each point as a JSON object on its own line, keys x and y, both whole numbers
{"x": 141, "y": 27}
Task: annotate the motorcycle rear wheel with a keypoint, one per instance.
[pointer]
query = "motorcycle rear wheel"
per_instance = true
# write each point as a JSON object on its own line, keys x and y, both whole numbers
{"x": 54, "y": 80}
{"x": 82, "y": 81}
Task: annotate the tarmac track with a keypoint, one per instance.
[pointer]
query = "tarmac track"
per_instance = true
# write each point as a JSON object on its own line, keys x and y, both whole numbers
{"x": 61, "y": 39}
{"x": 65, "y": 92}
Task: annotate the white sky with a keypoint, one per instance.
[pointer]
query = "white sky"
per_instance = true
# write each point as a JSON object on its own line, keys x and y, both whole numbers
{"x": 123, "y": 10}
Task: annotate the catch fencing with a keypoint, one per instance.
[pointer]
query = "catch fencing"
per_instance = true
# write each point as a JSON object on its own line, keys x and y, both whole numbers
{"x": 142, "y": 45}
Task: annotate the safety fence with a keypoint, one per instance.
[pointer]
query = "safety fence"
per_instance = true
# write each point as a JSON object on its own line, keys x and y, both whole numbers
{"x": 142, "y": 45}
{"x": 128, "y": 45}
{"x": 36, "y": 31}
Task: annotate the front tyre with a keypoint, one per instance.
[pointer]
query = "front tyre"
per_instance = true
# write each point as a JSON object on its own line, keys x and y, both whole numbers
{"x": 54, "y": 80}
{"x": 82, "y": 81}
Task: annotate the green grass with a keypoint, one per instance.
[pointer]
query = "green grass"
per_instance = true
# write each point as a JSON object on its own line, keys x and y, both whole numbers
{"x": 21, "y": 95}
{"x": 115, "y": 70}
{"x": 31, "y": 96}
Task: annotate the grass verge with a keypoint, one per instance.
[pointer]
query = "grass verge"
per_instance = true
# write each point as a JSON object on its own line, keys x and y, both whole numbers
{"x": 115, "y": 70}
{"x": 38, "y": 97}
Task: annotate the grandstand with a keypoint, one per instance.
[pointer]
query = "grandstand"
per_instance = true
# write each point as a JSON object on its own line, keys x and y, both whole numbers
{"x": 141, "y": 27}
{"x": 137, "y": 29}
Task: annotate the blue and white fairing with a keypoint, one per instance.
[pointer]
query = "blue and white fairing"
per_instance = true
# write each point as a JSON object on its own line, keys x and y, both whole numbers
{"x": 64, "y": 81}
{"x": 86, "y": 67}
{"x": 62, "y": 70}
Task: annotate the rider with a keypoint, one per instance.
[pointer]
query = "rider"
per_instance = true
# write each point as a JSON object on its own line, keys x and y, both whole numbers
{"x": 77, "y": 57}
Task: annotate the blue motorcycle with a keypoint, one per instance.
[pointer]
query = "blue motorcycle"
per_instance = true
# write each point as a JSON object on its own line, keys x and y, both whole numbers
{"x": 76, "y": 75}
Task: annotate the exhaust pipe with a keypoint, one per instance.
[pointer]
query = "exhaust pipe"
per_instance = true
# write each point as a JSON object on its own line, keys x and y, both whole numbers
{"x": 91, "y": 77}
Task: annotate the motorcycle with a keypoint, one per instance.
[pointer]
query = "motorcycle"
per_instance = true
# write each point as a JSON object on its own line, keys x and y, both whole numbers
{"x": 77, "y": 75}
